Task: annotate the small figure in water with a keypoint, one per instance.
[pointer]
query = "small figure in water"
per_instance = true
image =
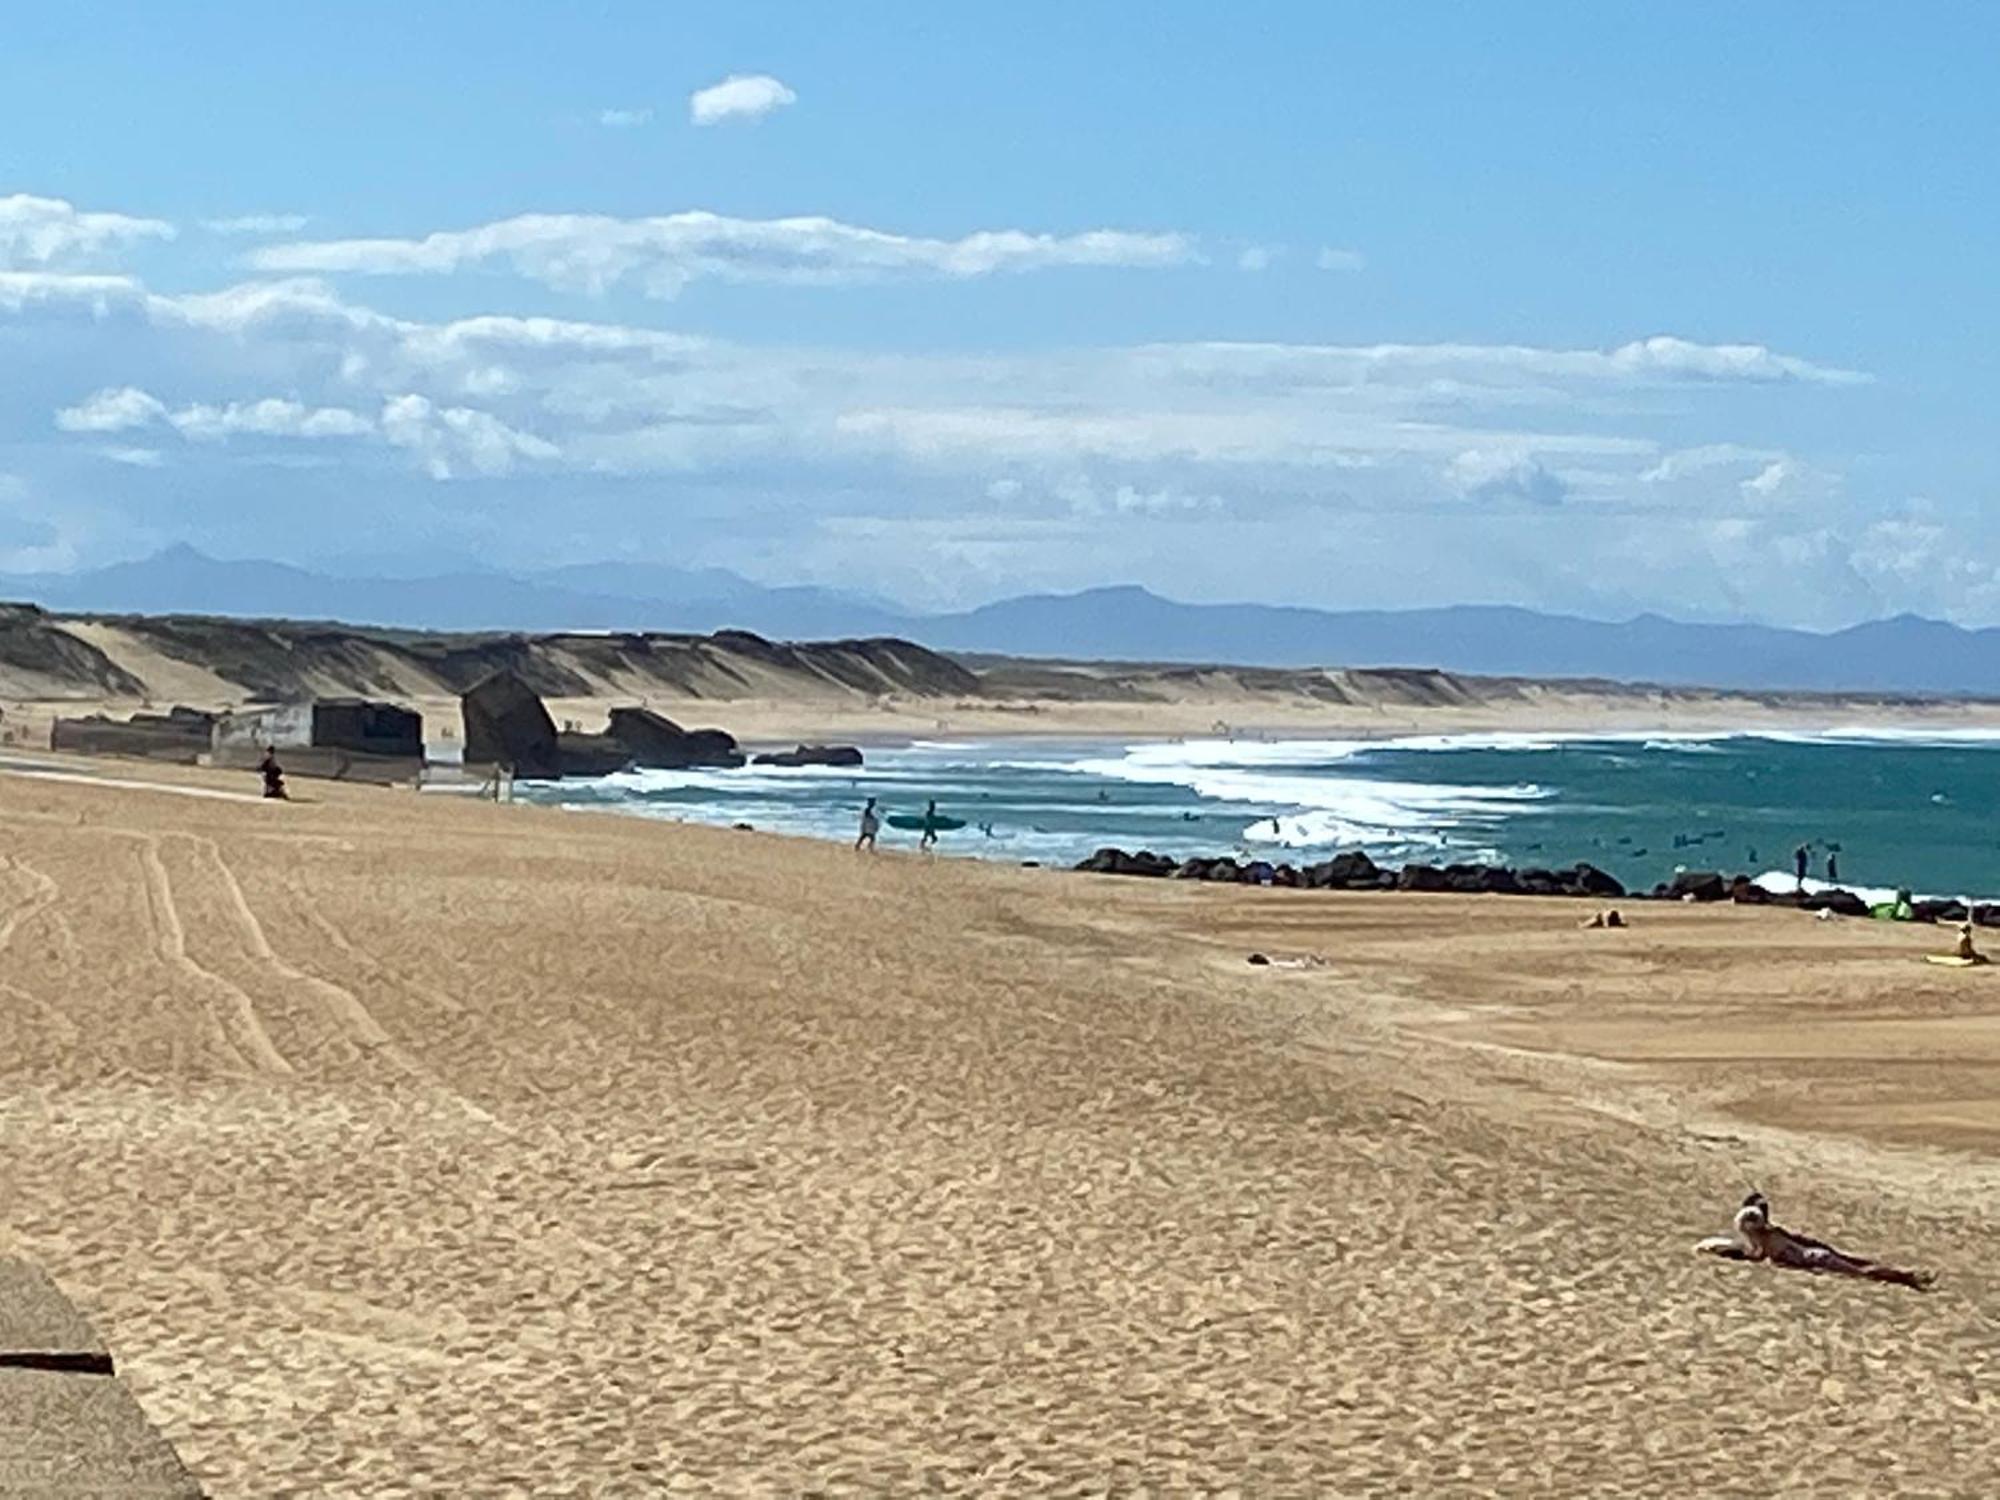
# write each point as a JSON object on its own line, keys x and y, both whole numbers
{"x": 1799, "y": 857}
{"x": 929, "y": 839}
{"x": 273, "y": 774}
{"x": 1757, "y": 1238}
{"x": 871, "y": 824}
{"x": 1832, "y": 868}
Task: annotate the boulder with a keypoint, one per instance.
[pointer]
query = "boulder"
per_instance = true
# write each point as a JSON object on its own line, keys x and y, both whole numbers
{"x": 1117, "y": 862}
{"x": 658, "y": 743}
{"x": 1986, "y": 914}
{"x": 507, "y": 725}
{"x": 1539, "y": 883}
{"x": 1422, "y": 878}
{"x": 1350, "y": 871}
{"x": 1842, "y": 903}
{"x": 1588, "y": 880}
{"x": 1697, "y": 885}
{"x": 1223, "y": 870}
{"x": 1746, "y": 892}
{"x": 811, "y": 755}
{"x": 1939, "y": 909}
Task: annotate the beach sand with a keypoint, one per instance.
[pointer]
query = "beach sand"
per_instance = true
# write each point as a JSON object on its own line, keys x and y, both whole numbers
{"x": 403, "y": 1144}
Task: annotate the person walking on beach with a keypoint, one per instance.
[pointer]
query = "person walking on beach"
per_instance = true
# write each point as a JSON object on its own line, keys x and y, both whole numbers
{"x": 929, "y": 840}
{"x": 1799, "y": 858}
{"x": 871, "y": 824}
{"x": 1757, "y": 1238}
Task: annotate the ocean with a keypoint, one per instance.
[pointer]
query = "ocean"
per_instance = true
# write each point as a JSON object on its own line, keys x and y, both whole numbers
{"x": 1896, "y": 809}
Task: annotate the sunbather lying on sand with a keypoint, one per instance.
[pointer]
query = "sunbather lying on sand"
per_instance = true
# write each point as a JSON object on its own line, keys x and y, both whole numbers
{"x": 1757, "y": 1238}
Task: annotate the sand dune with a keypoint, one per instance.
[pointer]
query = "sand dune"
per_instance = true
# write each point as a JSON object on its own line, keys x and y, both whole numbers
{"x": 406, "y": 1146}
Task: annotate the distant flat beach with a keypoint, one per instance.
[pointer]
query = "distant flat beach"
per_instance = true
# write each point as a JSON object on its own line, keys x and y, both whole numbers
{"x": 409, "y": 1144}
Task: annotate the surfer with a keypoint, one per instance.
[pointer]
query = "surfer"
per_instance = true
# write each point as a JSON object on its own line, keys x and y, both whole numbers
{"x": 1832, "y": 867}
{"x": 871, "y": 824}
{"x": 273, "y": 774}
{"x": 1757, "y": 1238}
{"x": 1799, "y": 858}
{"x": 929, "y": 839}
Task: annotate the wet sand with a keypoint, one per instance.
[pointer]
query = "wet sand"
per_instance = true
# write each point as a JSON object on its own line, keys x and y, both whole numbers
{"x": 400, "y": 1144}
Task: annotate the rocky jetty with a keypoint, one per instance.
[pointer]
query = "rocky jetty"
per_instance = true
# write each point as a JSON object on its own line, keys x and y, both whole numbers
{"x": 811, "y": 755}
{"x": 1355, "y": 871}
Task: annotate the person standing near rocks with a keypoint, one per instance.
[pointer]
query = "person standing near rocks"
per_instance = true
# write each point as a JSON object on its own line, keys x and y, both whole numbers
{"x": 1799, "y": 858}
{"x": 1832, "y": 867}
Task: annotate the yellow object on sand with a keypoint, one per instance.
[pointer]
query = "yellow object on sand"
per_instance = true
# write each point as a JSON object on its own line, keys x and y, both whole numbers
{"x": 1955, "y": 960}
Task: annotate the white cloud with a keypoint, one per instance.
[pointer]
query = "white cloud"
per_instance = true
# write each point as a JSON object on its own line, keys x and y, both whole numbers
{"x": 270, "y": 417}
{"x": 118, "y": 409}
{"x": 1256, "y": 258}
{"x": 1690, "y": 463}
{"x": 126, "y": 408}
{"x": 1469, "y": 367}
{"x": 20, "y": 290}
{"x": 1493, "y": 476}
{"x": 1680, "y": 358}
{"x": 49, "y": 232}
{"x": 749, "y": 96}
{"x": 624, "y": 119}
{"x": 137, "y": 458}
{"x": 257, "y": 224}
{"x": 449, "y": 440}
{"x": 1332, "y": 258}
{"x": 1190, "y": 460}
{"x": 592, "y": 253}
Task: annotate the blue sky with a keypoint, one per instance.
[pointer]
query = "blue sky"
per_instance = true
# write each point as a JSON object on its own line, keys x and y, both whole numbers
{"x": 1601, "y": 308}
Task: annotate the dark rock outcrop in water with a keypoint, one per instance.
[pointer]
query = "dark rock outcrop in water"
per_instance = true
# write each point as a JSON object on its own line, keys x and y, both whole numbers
{"x": 811, "y": 755}
{"x": 658, "y": 743}
{"x": 1697, "y": 885}
{"x": 506, "y": 724}
{"x": 591, "y": 754}
{"x": 1355, "y": 871}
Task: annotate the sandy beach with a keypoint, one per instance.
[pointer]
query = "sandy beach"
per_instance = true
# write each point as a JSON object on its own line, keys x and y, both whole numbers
{"x": 406, "y": 1144}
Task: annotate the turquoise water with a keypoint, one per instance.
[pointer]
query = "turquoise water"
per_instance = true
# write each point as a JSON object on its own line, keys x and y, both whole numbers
{"x": 1896, "y": 809}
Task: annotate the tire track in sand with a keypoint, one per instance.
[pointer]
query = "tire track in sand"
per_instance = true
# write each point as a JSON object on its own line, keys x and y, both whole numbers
{"x": 41, "y": 902}
{"x": 349, "y": 1014}
{"x": 240, "y": 1029}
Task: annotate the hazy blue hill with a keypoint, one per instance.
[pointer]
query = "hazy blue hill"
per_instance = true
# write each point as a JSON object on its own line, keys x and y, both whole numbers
{"x": 603, "y": 596}
{"x": 1904, "y": 654}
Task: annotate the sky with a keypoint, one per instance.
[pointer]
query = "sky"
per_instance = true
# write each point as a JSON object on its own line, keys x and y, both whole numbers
{"x": 1592, "y": 308}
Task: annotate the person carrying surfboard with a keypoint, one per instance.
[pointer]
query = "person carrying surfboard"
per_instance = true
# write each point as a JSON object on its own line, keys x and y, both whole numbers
{"x": 929, "y": 840}
{"x": 871, "y": 824}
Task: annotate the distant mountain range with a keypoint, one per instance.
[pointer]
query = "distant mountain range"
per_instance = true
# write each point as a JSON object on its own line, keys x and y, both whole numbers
{"x": 1906, "y": 654}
